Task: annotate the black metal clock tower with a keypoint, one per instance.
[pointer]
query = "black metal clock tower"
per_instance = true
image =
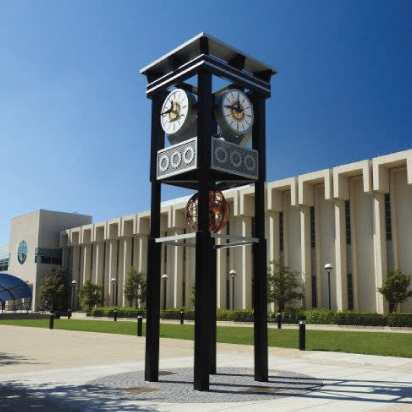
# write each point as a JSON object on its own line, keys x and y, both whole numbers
{"x": 199, "y": 60}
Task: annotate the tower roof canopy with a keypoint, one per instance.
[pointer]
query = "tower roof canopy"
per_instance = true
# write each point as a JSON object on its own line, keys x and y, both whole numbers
{"x": 203, "y": 43}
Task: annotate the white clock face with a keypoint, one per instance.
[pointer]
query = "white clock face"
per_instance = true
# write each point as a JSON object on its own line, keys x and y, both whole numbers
{"x": 177, "y": 114}
{"x": 236, "y": 113}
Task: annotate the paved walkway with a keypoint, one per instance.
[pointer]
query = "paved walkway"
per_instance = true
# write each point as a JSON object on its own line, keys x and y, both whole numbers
{"x": 57, "y": 370}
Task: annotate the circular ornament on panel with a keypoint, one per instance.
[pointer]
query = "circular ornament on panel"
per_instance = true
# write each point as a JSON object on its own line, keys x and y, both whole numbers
{"x": 250, "y": 163}
{"x": 188, "y": 155}
{"x": 235, "y": 159}
{"x": 221, "y": 155}
{"x": 178, "y": 115}
{"x": 163, "y": 163}
{"x": 22, "y": 252}
{"x": 176, "y": 159}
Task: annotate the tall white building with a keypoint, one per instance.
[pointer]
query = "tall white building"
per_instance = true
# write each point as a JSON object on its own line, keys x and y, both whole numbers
{"x": 358, "y": 217}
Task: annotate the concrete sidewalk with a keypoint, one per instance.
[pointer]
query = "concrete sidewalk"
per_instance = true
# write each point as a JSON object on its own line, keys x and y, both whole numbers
{"x": 47, "y": 370}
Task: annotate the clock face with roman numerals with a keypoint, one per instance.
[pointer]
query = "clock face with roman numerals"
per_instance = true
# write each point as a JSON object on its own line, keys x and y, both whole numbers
{"x": 177, "y": 114}
{"x": 234, "y": 113}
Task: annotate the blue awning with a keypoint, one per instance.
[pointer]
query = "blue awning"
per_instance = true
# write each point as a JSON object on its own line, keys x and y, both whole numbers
{"x": 12, "y": 287}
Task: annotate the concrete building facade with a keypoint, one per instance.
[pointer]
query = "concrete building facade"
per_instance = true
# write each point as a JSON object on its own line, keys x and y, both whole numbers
{"x": 34, "y": 245}
{"x": 358, "y": 217}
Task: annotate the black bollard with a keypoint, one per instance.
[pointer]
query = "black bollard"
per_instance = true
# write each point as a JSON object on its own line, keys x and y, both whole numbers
{"x": 279, "y": 317}
{"x": 69, "y": 313}
{"x": 182, "y": 316}
{"x": 51, "y": 323}
{"x": 115, "y": 315}
{"x": 302, "y": 334}
{"x": 139, "y": 325}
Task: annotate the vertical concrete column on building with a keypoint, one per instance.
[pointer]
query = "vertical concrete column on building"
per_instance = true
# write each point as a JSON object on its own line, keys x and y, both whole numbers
{"x": 354, "y": 239}
{"x": 306, "y": 269}
{"x": 272, "y": 230}
{"x": 319, "y": 266}
{"x": 76, "y": 264}
{"x": 176, "y": 271}
{"x": 286, "y": 226}
{"x": 340, "y": 256}
{"x": 86, "y": 264}
{"x": 98, "y": 263}
{"x": 126, "y": 263}
{"x": 112, "y": 266}
{"x": 379, "y": 242}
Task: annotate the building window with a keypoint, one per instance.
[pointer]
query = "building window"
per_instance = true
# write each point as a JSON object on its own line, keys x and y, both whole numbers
{"x": 184, "y": 272}
{"x": 48, "y": 256}
{"x": 312, "y": 228}
{"x": 281, "y": 232}
{"x": 388, "y": 223}
{"x": 350, "y": 291}
{"x": 253, "y": 226}
{"x": 314, "y": 288}
{"x": 131, "y": 258}
{"x": 91, "y": 260}
{"x": 165, "y": 256}
{"x": 4, "y": 264}
{"x": 347, "y": 223}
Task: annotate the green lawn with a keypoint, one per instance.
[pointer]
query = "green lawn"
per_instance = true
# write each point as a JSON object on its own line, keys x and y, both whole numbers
{"x": 372, "y": 343}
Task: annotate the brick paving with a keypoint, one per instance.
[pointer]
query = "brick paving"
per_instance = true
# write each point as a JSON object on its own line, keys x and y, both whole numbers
{"x": 228, "y": 385}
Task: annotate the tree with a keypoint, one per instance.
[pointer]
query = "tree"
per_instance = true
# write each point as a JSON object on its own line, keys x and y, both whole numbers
{"x": 54, "y": 290}
{"x": 395, "y": 289}
{"x": 135, "y": 288}
{"x": 193, "y": 294}
{"x": 284, "y": 285}
{"x": 90, "y": 294}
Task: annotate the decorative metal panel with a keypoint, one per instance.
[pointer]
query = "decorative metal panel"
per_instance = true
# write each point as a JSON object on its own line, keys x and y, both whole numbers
{"x": 235, "y": 159}
{"x": 177, "y": 159}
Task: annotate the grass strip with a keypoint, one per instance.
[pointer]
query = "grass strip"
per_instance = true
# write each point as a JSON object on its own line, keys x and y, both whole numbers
{"x": 370, "y": 343}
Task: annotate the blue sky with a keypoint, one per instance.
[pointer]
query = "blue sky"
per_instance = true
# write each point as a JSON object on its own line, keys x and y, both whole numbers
{"x": 75, "y": 121}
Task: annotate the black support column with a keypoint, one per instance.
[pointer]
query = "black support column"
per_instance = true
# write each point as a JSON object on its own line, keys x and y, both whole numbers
{"x": 153, "y": 253}
{"x": 259, "y": 255}
{"x": 203, "y": 237}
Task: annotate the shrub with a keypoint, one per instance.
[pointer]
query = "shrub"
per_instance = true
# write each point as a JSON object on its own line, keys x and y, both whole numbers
{"x": 122, "y": 312}
{"x": 174, "y": 313}
{"x": 320, "y": 316}
{"x": 358, "y": 318}
{"x": 224, "y": 314}
{"x": 400, "y": 320}
{"x": 243, "y": 315}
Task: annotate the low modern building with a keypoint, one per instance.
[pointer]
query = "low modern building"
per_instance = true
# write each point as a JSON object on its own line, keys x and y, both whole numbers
{"x": 358, "y": 217}
{"x": 34, "y": 245}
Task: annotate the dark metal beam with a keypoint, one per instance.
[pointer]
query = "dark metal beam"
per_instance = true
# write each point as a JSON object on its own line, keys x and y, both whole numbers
{"x": 241, "y": 78}
{"x": 238, "y": 62}
{"x": 203, "y": 239}
{"x": 154, "y": 249}
{"x": 259, "y": 249}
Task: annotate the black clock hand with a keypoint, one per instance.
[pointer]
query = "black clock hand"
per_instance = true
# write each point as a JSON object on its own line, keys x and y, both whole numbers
{"x": 169, "y": 110}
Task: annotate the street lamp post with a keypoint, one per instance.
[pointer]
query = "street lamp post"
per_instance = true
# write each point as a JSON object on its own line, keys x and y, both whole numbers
{"x": 232, "y": 275}
{"x": 74, "y": 283}
{"x": 328, "y": 268}
{"x": 114, "y": 283}
{"x": 165, "y": 277}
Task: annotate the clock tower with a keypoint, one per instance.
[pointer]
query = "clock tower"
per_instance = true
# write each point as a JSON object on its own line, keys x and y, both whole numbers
{"x": 215, "y": 141}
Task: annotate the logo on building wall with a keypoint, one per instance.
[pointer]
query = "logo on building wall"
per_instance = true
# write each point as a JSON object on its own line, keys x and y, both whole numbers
{"x": 22, "y": 252}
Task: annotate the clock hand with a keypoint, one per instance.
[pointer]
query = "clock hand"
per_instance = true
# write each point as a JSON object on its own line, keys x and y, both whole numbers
{"x": 168, "y": 110}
